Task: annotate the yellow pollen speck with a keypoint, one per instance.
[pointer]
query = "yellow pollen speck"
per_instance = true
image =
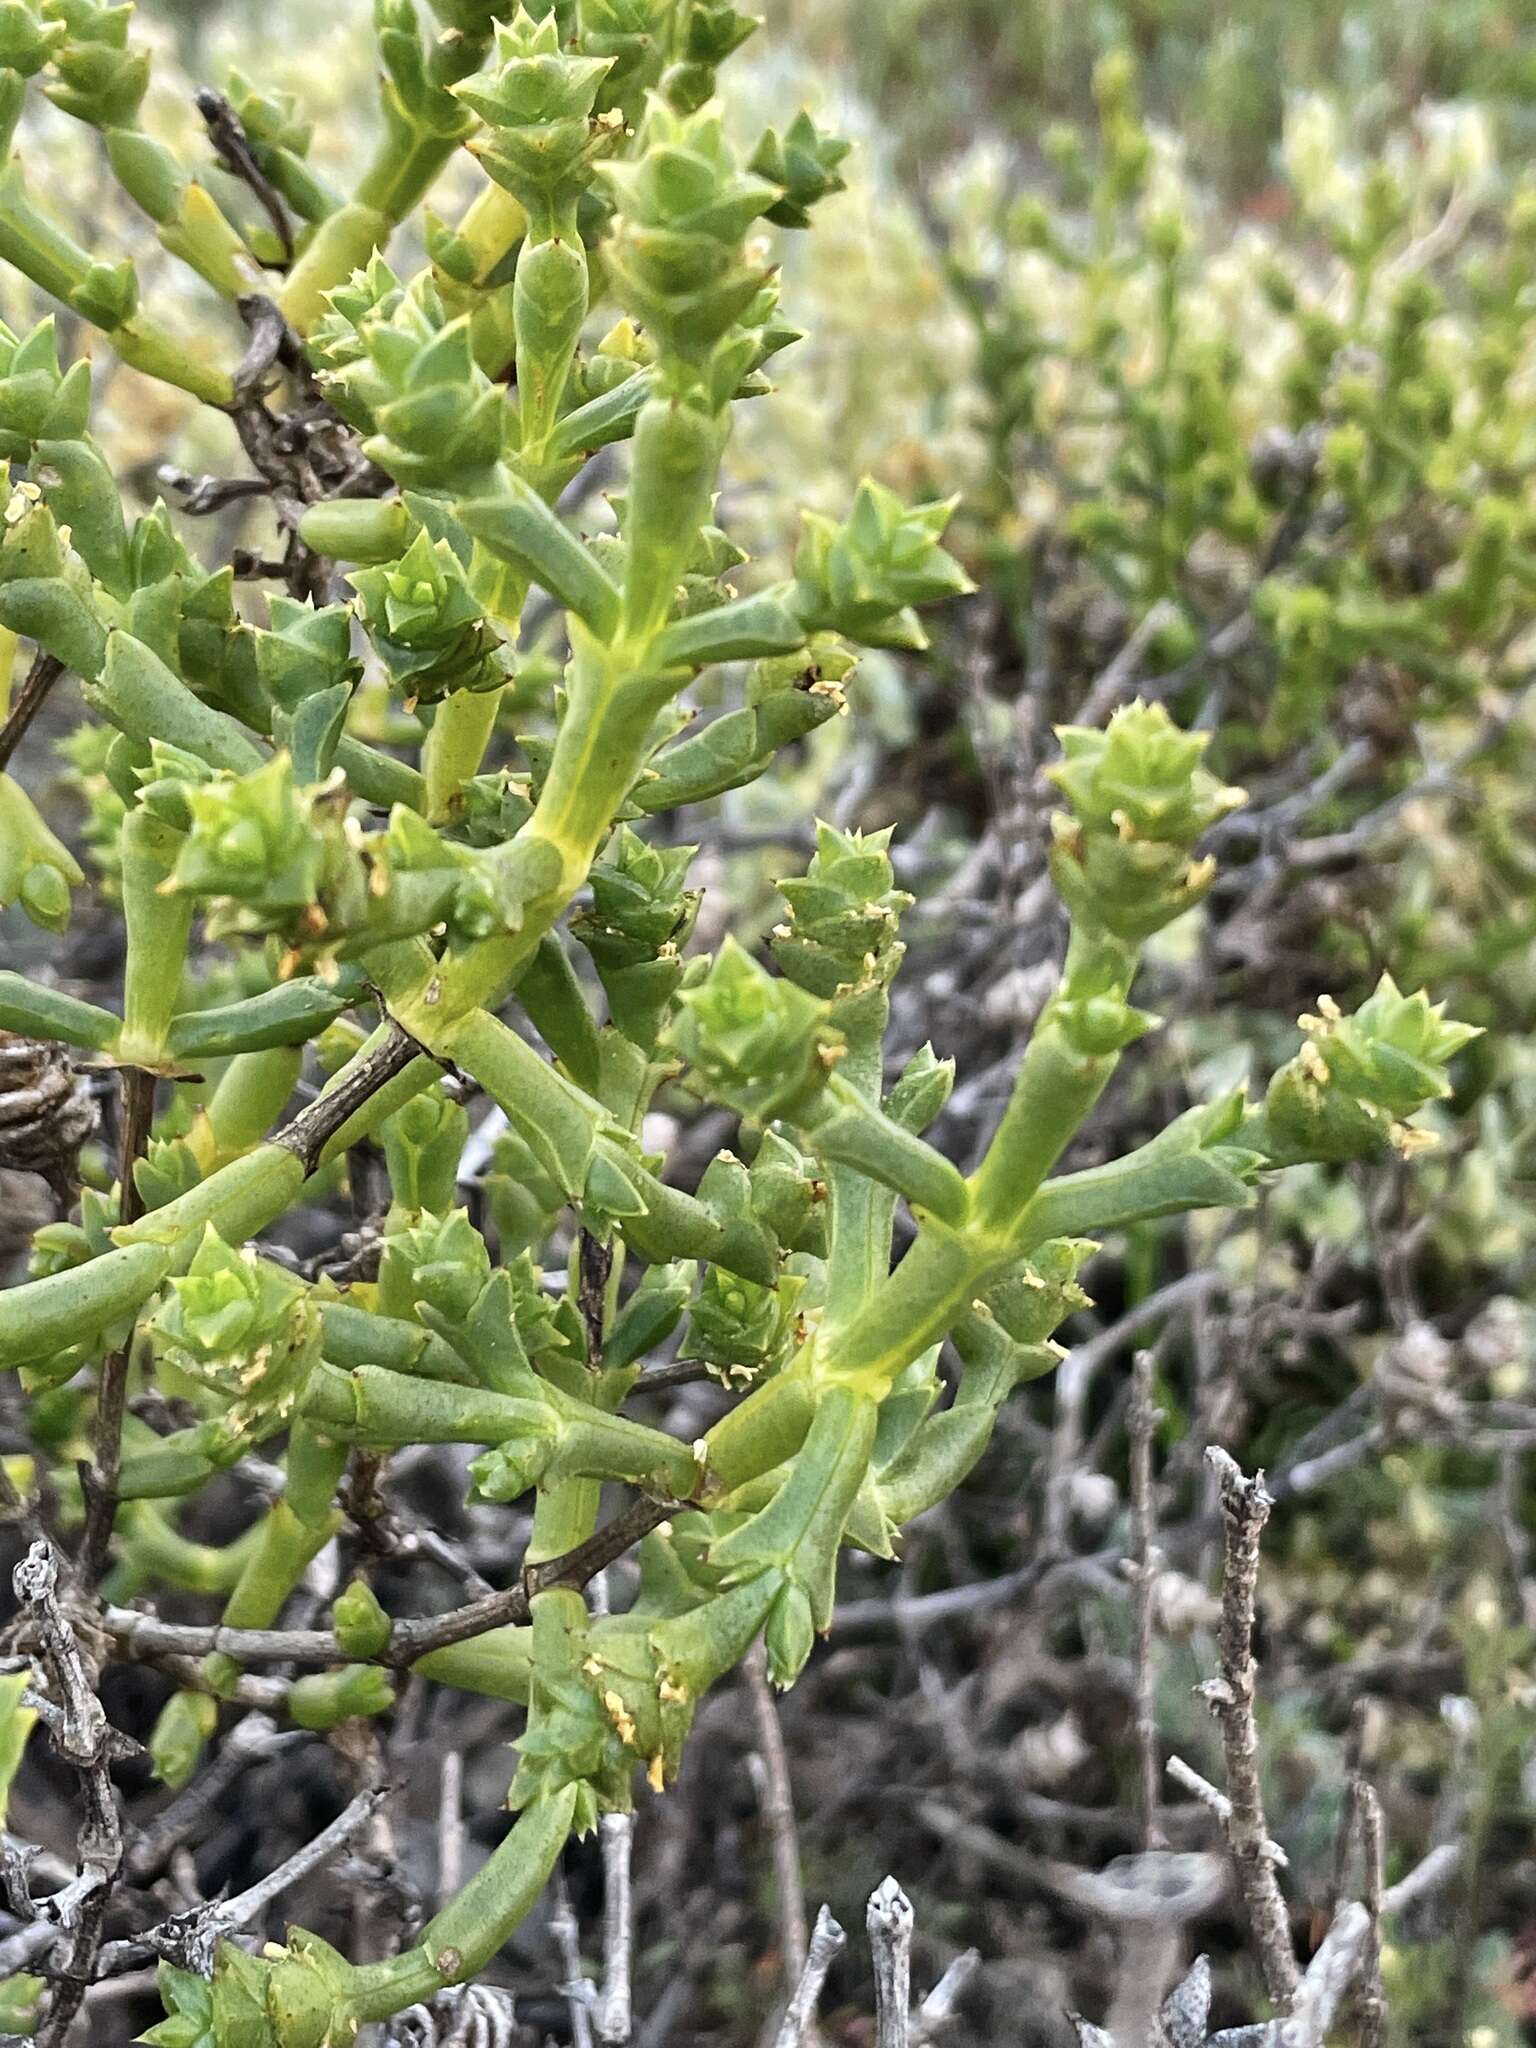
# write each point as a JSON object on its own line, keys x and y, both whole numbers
{"x": 619, "y": 1715}
{"x": 672, "y": 1694}
{"x": 1312, "y": 1063}
{"x": 1408, "y": 1139}
{"x": 655, "y": 1773}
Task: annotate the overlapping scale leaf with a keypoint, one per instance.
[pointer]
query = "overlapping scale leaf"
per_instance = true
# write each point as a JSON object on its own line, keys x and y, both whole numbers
{"x": 1350, "y": 1091}
{"x": 243, "y": 1330}
{"x": 401, "y": 370}
{"x": 635, "y": 930}
{"x": 253, "y": 838}
{"x": 100, "y": 76}
{"x": 1139, "y": 800}
{"x": 844, "y": 915}
{"x": 804, "y": 164}
{"x": 757, "y": 1042}
{"x": 863, "y": 576}
{"x": 536, "y": 100}
{"x": 426, "y": 626}
{"x": 682, "y": 208}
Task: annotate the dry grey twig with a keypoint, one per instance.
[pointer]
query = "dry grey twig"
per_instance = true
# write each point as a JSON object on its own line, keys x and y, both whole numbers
{"x": 1231, "y": 1696}
{"x": 889, "y": 1922}
{"x": 826, "y": 1945}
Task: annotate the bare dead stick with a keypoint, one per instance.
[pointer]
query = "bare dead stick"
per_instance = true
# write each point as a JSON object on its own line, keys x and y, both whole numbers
{"x": 450, "y": 1826}
{"x": 614, "y": 2013}
{"x": 776, "y": 1798}
{"x": 1337, "y": 1964}
{"x": 84, "y": 1738}
{"x": 1370, "y": 1998}
{"x": 574, "y": 1989}
{"x": 889, "y": 1923}
{"x": 45, "y": 671}
{"x": 1143, "y": 1420}
{"x": 1218, "y": 1802}
{"x": 941, "y": 2007}
{"x": 1329, "y": 1976}
{"x": 826, "y": 1945}
{"x": 190, "y": 1939}
{"x": 1245, "y": 1507}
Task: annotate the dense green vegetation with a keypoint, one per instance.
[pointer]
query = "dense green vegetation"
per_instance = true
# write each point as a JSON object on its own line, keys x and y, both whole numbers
{"x": 589, "y": 989}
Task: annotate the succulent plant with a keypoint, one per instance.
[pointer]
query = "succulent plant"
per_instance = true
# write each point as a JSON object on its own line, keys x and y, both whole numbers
{"x": 395, "y": 810}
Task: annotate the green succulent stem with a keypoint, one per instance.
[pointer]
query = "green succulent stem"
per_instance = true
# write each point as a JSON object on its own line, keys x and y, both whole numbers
{"x": 33, "y": 1011}
{"x": 408, "y": 158}
{"x": 1055, "y": 1088}
{"x": 860, "y": 1210}
{"x": 345, "y": 239}
{"x": 455, "y": 748}
{"x": 155, "y": 353}
{"x": 599, "y": 750}
{"x": 159, "y": 931}
{"x": 235, "y": 1201}
{"x": 151, "y": 1548}
{"x": 189, "y": 223}
{"x": 498, "y": 1664}
{"x": 342, "y": 243}
{"x": 292, "y": 1534}
{"x": 550, "y": 293}
{"x": 397, "y": 180}
{"x": 491, "y": 227}
{"x": 60, "y": 1309}
{"x": 933, "y": 1285}
{"x": 464, "y": 1937}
